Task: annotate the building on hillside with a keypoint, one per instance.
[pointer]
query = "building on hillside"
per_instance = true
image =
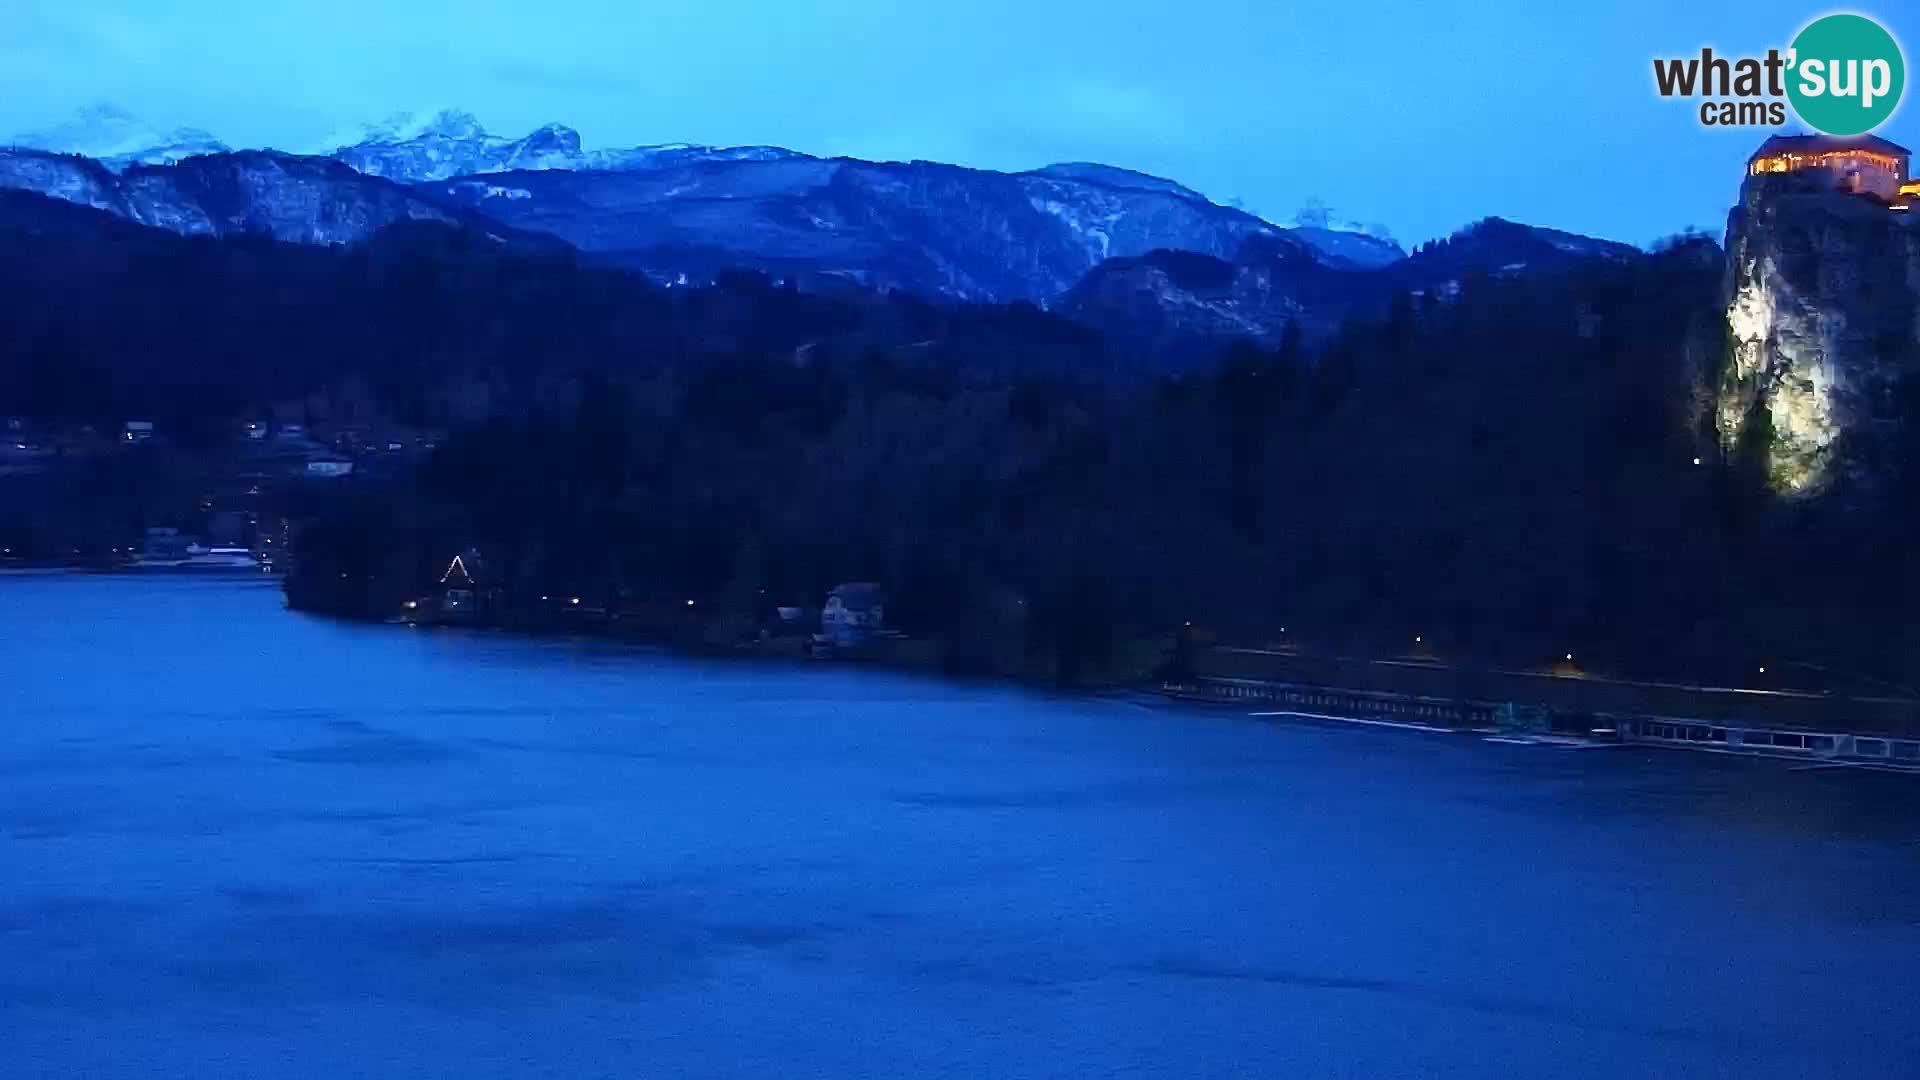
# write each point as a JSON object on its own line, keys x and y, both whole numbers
{"x": 1863, "y": 164}
{"x": 854, "y": 613}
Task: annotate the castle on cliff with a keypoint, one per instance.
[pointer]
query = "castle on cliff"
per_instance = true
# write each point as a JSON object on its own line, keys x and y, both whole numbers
{"x": 1863, "y": 164}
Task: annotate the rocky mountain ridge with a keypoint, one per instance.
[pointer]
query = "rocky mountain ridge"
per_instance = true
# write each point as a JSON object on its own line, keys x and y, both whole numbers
{"x": 681, "y": 210}
{"x": 298, "y": 199}
{"x": 424, "y": 147}
{"x": 1132, "y": 254}
{"x": 117, "y": 139}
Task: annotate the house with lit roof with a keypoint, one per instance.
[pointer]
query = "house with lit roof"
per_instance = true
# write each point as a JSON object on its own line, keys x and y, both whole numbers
{"x": 465, "y": 593}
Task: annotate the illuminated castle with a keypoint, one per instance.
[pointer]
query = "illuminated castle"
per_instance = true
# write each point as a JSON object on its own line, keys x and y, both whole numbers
{"x": 1858, "y": 163}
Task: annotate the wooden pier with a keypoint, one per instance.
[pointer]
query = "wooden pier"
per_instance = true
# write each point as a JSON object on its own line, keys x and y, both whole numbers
{"x": 1428, "y": 696}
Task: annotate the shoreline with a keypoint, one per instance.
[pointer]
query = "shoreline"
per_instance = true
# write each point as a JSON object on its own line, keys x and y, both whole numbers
{"x": 1535, "y": 720}
{"x": 905, "y": 655}
{"x": 1376, "y": 708}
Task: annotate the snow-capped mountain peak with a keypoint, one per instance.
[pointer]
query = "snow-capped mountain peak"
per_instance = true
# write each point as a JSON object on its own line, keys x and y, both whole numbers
{"x": 98, "y": 130}
{"x": 1318, "y": 215}
{"x": 118, "y": 138}
{"x": 555, "y": 139}
{"x": 453, "y": 124}
{"x": 440, "y": 144}
{"x": 1367, "y": 245}
{"x": 435, "y": 144}
{"x": 405, "y": 126}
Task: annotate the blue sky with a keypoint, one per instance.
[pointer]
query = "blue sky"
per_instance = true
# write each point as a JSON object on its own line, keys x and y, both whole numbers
{"x": 1422, "y": 117}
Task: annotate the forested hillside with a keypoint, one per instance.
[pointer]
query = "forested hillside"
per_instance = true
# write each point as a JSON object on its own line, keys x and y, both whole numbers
{"x": 1508, "y": 471}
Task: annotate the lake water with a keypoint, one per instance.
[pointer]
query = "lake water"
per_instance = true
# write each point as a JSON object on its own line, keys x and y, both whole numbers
{"x": 241, "y": 842}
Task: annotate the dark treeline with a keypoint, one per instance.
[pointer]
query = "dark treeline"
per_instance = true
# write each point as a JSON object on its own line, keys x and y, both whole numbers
{"x": 1507, "y": 472}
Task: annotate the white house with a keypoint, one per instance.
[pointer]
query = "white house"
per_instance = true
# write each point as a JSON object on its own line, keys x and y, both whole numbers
{"x": 854, "y": 612}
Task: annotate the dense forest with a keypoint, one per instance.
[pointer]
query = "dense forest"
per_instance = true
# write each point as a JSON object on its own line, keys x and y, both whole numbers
{"x": 1517, "y": 470}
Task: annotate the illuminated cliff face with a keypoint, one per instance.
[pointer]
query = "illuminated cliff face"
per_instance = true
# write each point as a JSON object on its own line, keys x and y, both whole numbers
{"x": 1780, "y": 362}
{"x": 1820, "y": 321}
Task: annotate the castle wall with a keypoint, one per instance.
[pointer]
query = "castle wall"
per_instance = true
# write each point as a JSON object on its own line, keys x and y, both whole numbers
{"x": 1862, "y": 172}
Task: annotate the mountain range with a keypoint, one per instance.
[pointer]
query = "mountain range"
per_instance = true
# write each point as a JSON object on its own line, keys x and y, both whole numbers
{"x": 414, "y": 148}
{"x": 1124, "y": 251}
{"x": 117, "y": 139}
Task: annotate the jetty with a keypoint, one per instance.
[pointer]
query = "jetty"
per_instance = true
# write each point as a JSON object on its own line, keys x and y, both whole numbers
{"x": 1430, "y": 696}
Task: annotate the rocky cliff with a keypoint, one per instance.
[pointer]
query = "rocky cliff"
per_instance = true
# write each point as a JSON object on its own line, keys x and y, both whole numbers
{"x": 1821, "y": 316}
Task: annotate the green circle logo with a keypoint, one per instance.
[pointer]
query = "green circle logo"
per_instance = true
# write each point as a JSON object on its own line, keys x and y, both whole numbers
{"x": 1847, "y": 74}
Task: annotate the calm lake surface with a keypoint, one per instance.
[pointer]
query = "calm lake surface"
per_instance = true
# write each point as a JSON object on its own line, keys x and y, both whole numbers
{"x": 237, "y": 841}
